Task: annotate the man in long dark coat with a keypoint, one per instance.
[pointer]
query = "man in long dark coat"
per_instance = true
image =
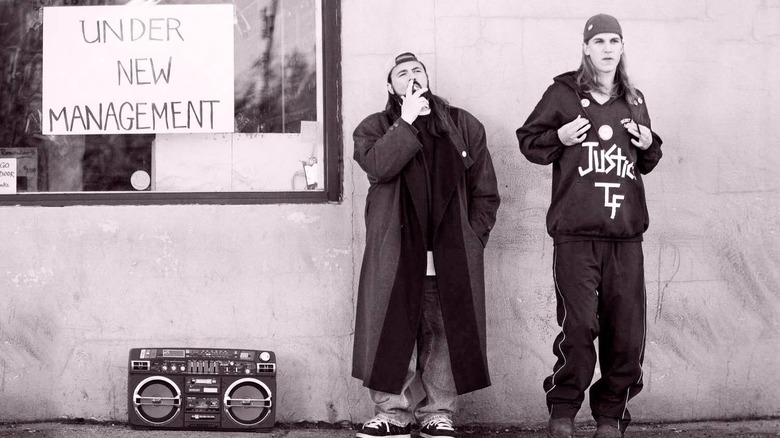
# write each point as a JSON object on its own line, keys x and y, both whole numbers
{"x": 431, "y": 205}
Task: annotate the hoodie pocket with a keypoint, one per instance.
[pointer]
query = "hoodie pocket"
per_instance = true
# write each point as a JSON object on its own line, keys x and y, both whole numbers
{"x": 599, "y": 209}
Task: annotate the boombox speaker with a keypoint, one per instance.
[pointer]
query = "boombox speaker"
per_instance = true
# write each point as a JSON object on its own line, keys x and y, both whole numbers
{"x": 204, "y": 389}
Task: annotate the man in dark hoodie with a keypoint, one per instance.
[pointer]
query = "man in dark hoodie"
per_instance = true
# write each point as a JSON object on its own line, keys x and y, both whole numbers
{"x": 431, "y": 204}
{"x": 592, "y": 125}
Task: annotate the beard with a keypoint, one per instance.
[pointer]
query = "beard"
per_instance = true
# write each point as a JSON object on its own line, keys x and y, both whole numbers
{"x": 439, "y": 111}
{"x": 399, "y": 98}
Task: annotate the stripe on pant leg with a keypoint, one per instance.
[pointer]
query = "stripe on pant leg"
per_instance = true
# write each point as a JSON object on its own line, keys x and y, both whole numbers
{"x": 563, "y": 323}
{"x": 641, "y": 352}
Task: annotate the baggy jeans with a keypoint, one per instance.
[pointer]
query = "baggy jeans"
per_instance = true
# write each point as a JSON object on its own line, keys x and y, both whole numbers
{"x": 435, "y": 372}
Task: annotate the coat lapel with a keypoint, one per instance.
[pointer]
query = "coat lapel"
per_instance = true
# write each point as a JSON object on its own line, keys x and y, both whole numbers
{"x": 452, "y": 161}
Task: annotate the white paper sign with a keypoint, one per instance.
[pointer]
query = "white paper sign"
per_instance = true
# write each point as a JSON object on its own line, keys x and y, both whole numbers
{"x": 7, "y": 175}
{"x": 138, "y": 69}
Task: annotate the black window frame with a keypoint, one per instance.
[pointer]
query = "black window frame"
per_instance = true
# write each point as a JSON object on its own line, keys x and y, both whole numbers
{"x": 333, "y": 152}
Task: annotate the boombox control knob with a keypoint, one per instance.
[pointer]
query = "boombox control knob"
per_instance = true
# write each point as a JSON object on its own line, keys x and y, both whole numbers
{"x": 182, "y": 368}
{"x": 165, "y": 367}
{"x": 265, "y": 356}
{"x": 247, "y": 371}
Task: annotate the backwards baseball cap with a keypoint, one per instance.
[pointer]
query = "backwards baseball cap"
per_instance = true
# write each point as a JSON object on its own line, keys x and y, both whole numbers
{"x": 400, "y": 59}
{"x": 601, "y": 23}
{"x": 405, "y": 57}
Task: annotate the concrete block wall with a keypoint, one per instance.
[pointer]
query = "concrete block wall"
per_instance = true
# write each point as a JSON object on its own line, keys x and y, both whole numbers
{"x": 80, "y": 286}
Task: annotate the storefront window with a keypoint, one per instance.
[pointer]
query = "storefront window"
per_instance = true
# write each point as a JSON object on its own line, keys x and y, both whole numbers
{"x": 280, "y": 147}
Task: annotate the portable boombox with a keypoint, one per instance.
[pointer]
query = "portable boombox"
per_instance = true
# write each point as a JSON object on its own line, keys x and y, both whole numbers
{"x": 205, "y": 389}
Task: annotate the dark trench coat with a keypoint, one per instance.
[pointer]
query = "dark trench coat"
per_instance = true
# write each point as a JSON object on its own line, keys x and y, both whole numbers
{"x": 464, "y": 200}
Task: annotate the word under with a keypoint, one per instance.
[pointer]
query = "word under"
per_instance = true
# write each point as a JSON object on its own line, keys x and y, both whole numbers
{"x": 133, "y": 29}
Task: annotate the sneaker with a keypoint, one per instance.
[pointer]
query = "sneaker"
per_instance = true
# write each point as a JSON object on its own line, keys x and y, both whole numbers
{"x": 560, "y": 428}
{"x": 438, "y": 428}
{"x": 379, "y": 426}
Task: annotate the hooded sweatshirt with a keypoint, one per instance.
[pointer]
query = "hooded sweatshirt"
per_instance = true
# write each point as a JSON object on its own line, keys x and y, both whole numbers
{"x": 597, "y": 189}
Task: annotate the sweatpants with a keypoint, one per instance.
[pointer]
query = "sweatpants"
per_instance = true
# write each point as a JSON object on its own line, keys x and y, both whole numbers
{"x": 600, "y": 293}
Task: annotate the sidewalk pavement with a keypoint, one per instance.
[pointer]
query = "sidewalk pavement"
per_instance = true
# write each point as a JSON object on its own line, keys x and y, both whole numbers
{"x": 88, "y": 429}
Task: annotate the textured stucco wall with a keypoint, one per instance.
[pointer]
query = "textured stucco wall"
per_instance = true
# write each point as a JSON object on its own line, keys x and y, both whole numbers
{"x": 707, "y": 69}
{"x": 79, "y": 286}
{"x": 82, "y": 285}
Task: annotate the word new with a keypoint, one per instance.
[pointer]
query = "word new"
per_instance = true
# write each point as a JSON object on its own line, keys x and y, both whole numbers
{"x": 136, "y": 71}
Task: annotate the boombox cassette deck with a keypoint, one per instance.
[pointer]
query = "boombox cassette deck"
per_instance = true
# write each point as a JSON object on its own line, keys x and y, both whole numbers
{"x": 201, "y": 388}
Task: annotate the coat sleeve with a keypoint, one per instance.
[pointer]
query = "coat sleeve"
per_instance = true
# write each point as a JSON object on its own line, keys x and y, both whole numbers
{"x": 481, "y": 179}
{"x": 647, "y": 159}
{"x": 538, "y": 137}
{"x": 382, "y": 152}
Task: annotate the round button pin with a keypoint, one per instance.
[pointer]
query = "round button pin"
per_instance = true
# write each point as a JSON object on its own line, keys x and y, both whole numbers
{"x": 605, "y": 132}
{"x": 464, "y": 154}
{"x": 585, "y": 103}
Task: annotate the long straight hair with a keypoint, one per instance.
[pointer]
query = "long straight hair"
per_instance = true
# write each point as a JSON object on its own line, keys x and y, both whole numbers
{"x": 588, "y": 80}
{"x": 437, "y": 122}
